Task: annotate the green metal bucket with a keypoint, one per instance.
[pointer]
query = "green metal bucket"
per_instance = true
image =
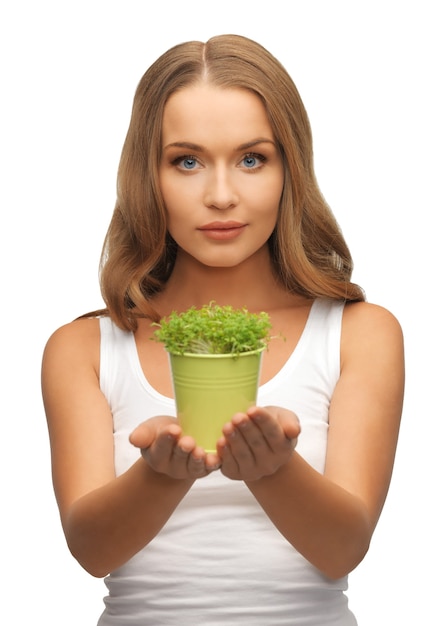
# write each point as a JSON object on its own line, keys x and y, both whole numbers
{"x": 210, "y": 388}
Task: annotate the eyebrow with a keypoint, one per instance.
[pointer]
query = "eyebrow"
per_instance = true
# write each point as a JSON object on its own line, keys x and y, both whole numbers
{"x": 198, "y": 148}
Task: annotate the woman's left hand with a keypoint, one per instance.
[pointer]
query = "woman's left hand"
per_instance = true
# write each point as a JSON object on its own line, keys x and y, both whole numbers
{"x": 257, "y": 443}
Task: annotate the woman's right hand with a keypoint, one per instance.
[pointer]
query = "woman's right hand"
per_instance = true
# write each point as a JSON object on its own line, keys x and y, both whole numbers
{"x": 168, "y": 451}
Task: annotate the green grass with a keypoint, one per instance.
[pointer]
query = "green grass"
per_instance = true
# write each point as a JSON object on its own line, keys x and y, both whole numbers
{"x": 214, "y": 329}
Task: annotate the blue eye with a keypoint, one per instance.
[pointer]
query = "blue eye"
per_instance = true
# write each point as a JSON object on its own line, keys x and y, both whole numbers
{"x": 252, "y": 161}
{"x": 249, "y": 161}
{"x": 189, "y": 163}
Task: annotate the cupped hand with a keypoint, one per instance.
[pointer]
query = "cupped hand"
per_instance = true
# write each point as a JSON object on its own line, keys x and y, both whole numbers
{"x": 169, "y": 452}
{"x": 257, "y": 443}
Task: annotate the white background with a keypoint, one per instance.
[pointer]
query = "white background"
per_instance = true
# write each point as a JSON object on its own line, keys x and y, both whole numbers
{"x": 69, "y": 70}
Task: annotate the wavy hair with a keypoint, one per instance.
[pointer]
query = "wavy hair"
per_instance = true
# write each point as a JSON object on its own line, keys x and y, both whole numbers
{"x": 309, "y": 254}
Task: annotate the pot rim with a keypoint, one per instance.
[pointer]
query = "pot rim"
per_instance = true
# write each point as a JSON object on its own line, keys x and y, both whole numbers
{"x": 226, "y": 355}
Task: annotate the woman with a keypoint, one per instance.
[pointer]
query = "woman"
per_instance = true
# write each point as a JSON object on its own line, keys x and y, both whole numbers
{"x": 217, "y": 200}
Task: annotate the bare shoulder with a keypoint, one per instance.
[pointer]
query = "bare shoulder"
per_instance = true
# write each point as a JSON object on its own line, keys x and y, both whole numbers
{"x": 79, "y": 329}
{"x": 363, "y": 317}
{"x": 370, "y": 328}
{"x": 76, "y": 341}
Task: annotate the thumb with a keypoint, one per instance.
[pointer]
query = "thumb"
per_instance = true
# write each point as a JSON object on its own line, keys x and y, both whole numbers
{"x": 144, "y": 434}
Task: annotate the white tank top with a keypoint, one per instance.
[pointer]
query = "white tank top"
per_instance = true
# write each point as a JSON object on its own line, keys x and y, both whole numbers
{"x": 219, "y": 560}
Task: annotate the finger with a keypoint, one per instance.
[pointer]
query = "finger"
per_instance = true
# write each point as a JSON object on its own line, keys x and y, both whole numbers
{"x": 213, "y": 460}
{"x": 229, "y": 465}
{"x": 220, "y": 447}
{"x": 273, "y": 422}
{"x": 159, "y": 453}
{"x": 267, "y": 425}
{"x": 251, "y": 433}
{"x": 196, "y": 463}
{"x": 288, "y": 420}
{"x": 180, "y": 454}
{"x": 165, "y": 443}
{"x": 236, "y": 442}
{"x": 280, "y": 430}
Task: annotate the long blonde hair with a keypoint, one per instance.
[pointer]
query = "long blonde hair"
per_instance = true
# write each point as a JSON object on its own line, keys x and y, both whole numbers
{"x": 308, "y": 251}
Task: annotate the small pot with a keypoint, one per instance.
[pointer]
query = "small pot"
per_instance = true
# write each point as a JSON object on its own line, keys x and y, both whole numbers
{"x": 210, "y": 388}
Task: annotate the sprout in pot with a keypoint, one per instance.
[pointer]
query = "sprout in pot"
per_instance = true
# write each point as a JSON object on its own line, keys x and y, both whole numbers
{"x": 215, "y": 357}
{"x": 214, "y": 329}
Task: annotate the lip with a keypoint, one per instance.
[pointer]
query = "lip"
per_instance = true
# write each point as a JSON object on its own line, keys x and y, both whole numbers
{"x": 222, "y": 225}
{"x": 222, "y": 231}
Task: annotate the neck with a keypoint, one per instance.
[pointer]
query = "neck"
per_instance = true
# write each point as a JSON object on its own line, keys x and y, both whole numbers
{"x": 251, "y": 284}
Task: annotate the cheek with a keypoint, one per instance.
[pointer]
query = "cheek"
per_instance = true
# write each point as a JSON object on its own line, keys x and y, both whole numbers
{"x": 180, "y": 218}
{"x": 270, "y": 187}
{"x": 269, "y": 197}
{"x": 178, "y": 198}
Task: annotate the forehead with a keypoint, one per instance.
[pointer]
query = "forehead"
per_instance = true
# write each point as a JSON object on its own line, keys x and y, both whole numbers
{"x": 205, "y": 109}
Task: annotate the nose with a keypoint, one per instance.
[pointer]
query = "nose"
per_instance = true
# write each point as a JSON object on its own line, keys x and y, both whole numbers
{"x": 220, "y": 192}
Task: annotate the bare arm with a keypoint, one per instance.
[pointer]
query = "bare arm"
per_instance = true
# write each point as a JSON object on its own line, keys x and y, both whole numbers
{"x": 107, "y": 519}
{"x": 330, "y": 518}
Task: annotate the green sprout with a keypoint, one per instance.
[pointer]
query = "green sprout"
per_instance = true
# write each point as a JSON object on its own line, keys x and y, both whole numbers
{"x": 214, "y": 329}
